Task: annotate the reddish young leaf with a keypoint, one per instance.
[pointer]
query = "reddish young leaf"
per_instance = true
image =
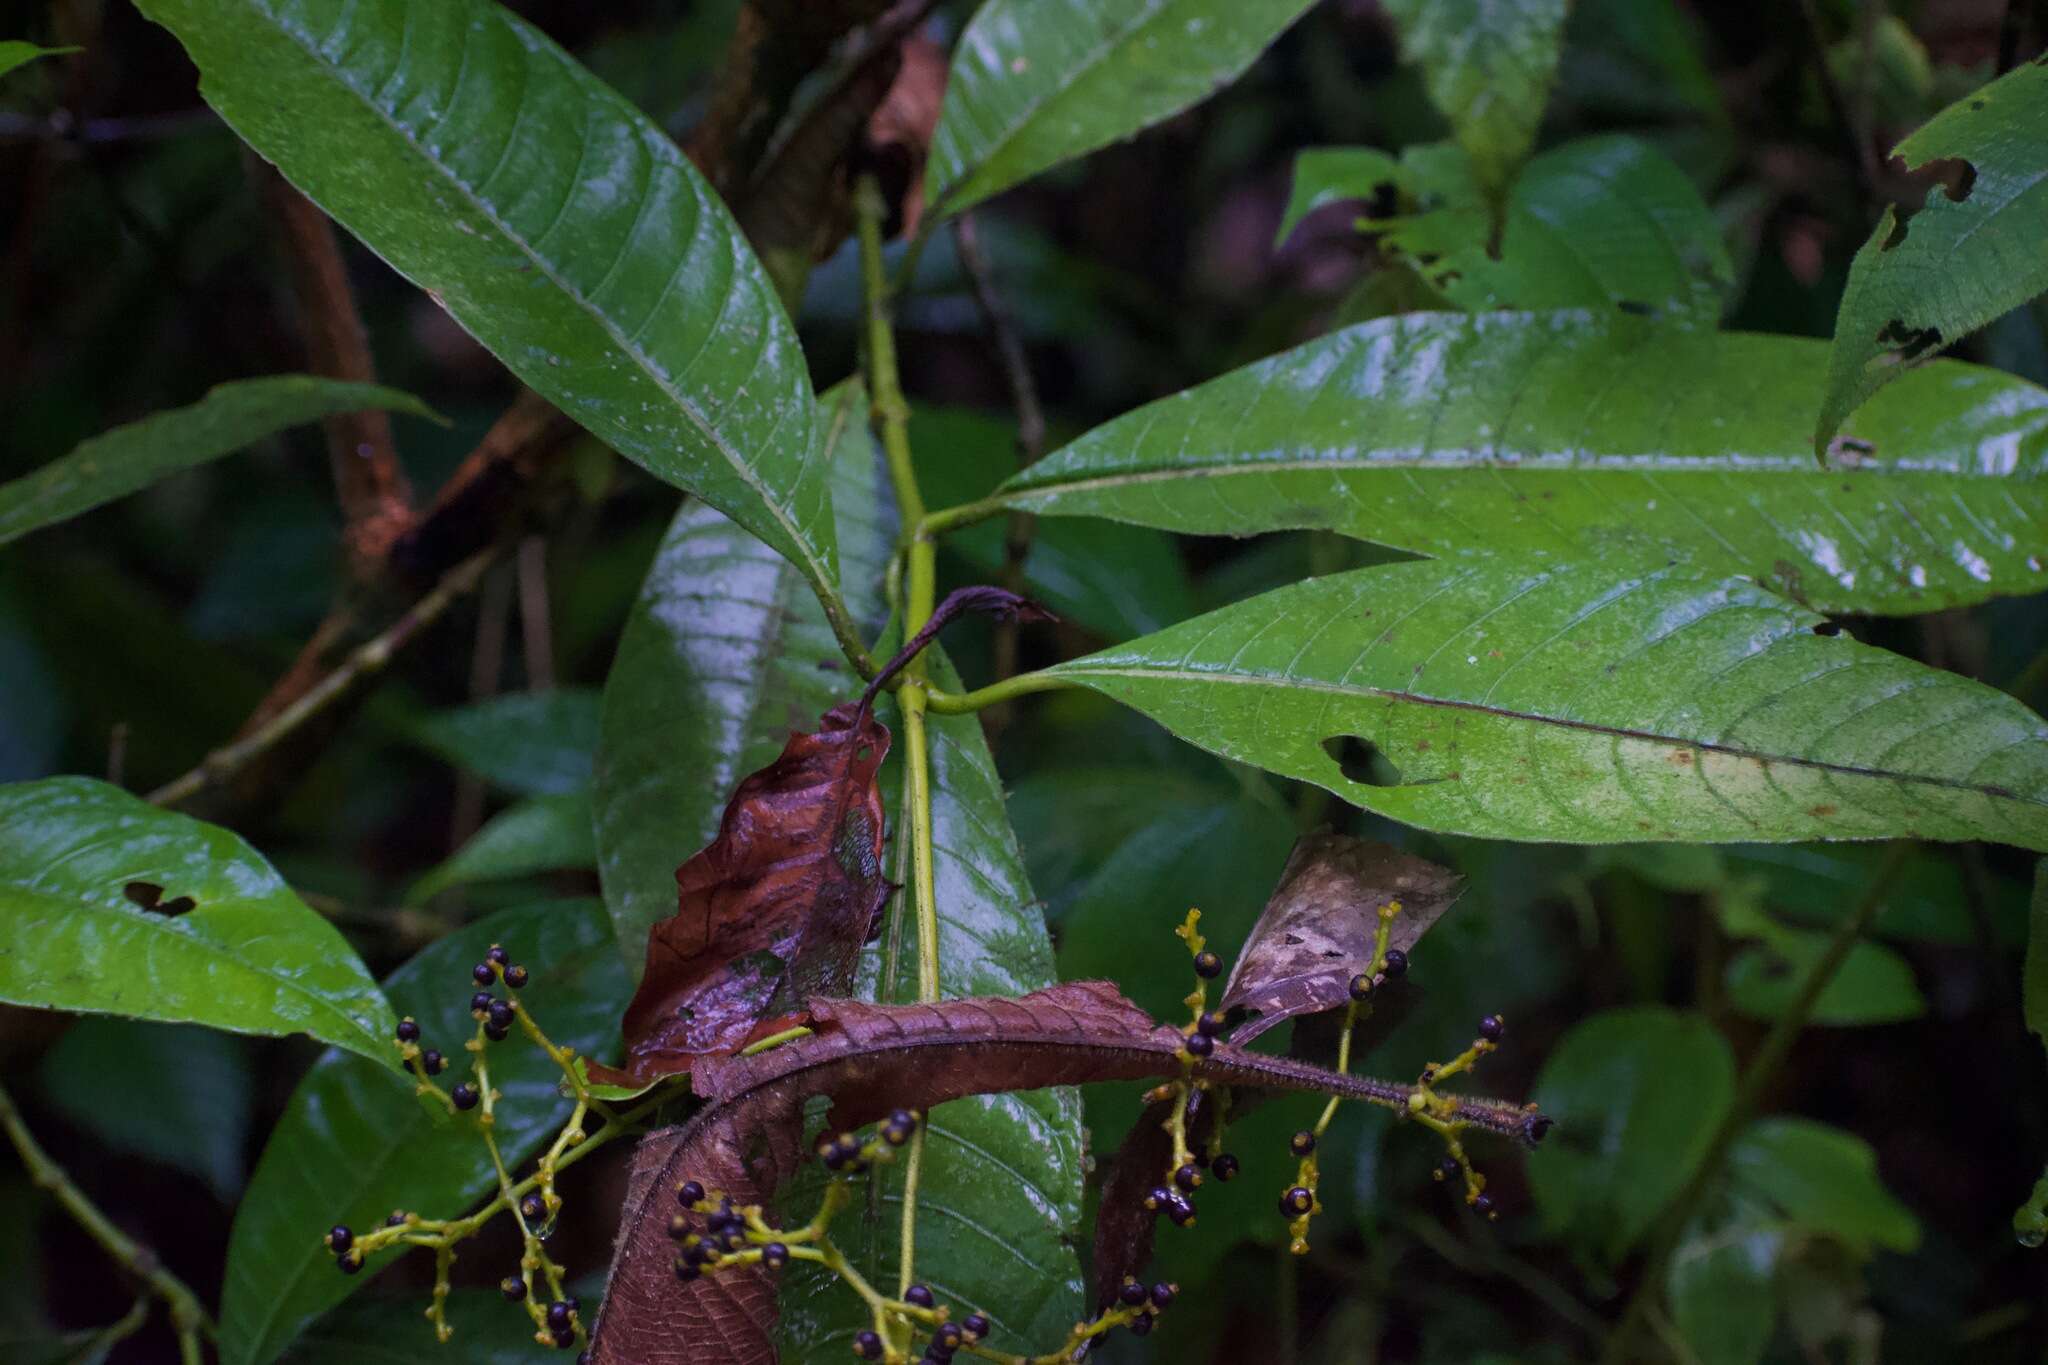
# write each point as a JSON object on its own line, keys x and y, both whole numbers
{"x": 867, "y": 1060}
{"x": 775, "y": 910}
{"x": 1316, "y": 932}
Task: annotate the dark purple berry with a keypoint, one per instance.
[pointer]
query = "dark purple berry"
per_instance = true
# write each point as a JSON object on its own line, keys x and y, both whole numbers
{"x": 1361, "y": 986}
{"x": 408, "y": 1030}
{"x": 684, "y": 1268}
{"x": 497, "y": 1033}
{"x": 465, "y": 1096}
{"x": 558, "y": 1315}
{"x": 1536, "y": 1126}
{"x": 679, "y": 1229}
{"x": 918, "y": 1296}
{"x": 340, "y": 1239}
{"x": 1132, "y": 1293}
{"x": 1492, "y": 1027}
{"x": 1483, "y": 1206}
{"x": 501, "y": 1014}
{"x": 1209, "y": 1023}
{"x": 976, "y": 1326}
{"x": 432, "y": 1062}
{"x": 902, "y": 1118}
{"x": 1397, "y": 963}
{"x": 1162, "y": 1295}
{"x": 1181, "y": 1210}
{"x": 1448, "y": 1169}
{"x": 775, "y": 1255}
{"x": 483, "y": 974}
{"x": 497, "y": 955}
{"x": 533, "y": 1208}
{"x": 1156, "y": 1198}
{"x": 947, "y": 1337}
{"x": 1224, "y": 1167}
{"x": 515, "y": 977}
{"x": 689, "y": 1193}
{"x": 1208, "y": 966}
{"x": 1188, "y": 1177}
{"x": 896, "y": 1134}
{"x": 513, "y": 1288}
{"x": 1198, "y": 1044}
{"x": 585, "y": 1358}
{"x": 1302, "y": 1143}
{"x": 867, "y": 1346}
{"x": 396, "y": 1220}
{"x": 350, "y": 1262}
{"x": 1141, "y": 1325}
{"x": 1297, "y": 1202}
{"x": 481, "y": 1002}
{"x": 575, "y": 1304}
{"x": 565, "y": 1337}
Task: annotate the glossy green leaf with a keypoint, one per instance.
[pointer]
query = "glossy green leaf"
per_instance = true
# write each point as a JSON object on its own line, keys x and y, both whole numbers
{"x": 541, "y": 834}
{"x": 1581, "y": 435}
{"x": 1723, "y": 1292}
{"x": 725, "y": 654}
{"x": 558, "y": 224}
{"x": 1602, "y": 222}
{"x": 1037, "y": 82}
{"x": 1509, "y": 698}
{"x": 1116, "y": 581}
{"x": 131, "y": 458}
{"x": 248, "y": 956}
{"x": 1929, "y": 280}
{"x": 1823, "y": 1180}
{"x": 14, "y": 52}
{"x": 352, "y": 1146}
{"x": 174, "y": 1094}
{"x": 1636, "y": 1094}
{"x": 1488, "y": 65}
{"x": 532, "y": 743}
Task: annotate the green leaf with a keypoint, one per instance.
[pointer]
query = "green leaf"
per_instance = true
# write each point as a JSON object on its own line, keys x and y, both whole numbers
{"x": 352, "y": 1147}
{"x": 130, "y": 458}
{"x": 1927, "y": 897}
{"x": 725, "y": 654}
{"x": 531, "y": 743}
{"x": 171, "y": 1093}
{"x": 541, "y": 834}
{"x": 1636, "y": 1094}
{"x": 1580, "y": 436}
{"x": 1037, "y": 82}
{"x": 1489, "y": 65}
{"x": 14, "y": 52}
{"x": 1603, "y": 222}
{"x": 1722, "y": 1285}
{"x": 1874, "y": 985}
{"x": 559, "y": 225}
{"x": 380, "y": 1330}
{"x": 1071, "y": 819}
{"x": 248, "y": 957}
{"x": 1927, "y": 281}
{"x": 1823, "y": 1180}
{"x": 1335, "y": 175}
{"x": 1522, "y": 699}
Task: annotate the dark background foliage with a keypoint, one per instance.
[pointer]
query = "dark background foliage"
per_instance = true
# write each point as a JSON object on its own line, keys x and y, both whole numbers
{"x": 136, "y": 271}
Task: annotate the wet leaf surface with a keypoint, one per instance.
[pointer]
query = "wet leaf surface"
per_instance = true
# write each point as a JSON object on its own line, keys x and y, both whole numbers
{"x": 1318, "y": 930}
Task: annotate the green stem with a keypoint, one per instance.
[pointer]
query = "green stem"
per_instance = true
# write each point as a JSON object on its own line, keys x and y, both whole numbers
{"x": 1756, "y": 1079}
{"x": 935, "y": 524}
{"x": 188, "y": 1317}
{"x": 961, "y": 703}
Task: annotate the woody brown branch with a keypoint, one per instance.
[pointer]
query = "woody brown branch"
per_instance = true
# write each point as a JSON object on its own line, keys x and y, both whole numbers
{"x": 376, "y": 500}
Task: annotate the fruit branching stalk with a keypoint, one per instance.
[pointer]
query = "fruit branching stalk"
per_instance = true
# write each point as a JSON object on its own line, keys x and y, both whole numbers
{"x": 188, "y": 1318}
{"x": 892, "y": 420}
{"x": 734, "y": 1234}
{"x": 533, "y": 1201}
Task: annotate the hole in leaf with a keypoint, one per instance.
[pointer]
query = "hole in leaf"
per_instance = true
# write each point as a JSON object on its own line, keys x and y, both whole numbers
{"x": 1827, "y": 628}
{"x": 1956, "y": 177}
{"x": 1910, "y": 342}
{"x": 1360, "y": 761}
{"x": 149, "y": 896}
{"x": 1896, "y": 235}
{"x": 1634, "y": 308}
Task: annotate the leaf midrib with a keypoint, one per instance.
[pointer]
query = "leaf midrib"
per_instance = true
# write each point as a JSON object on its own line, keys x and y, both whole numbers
{"x": 1990, "y": 791}
{"x": 811, "y": 565}
{"x": 141, "y": 923}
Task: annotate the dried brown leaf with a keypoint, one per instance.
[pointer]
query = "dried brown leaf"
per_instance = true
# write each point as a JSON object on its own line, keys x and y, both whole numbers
{"x": 1317, "y": 930}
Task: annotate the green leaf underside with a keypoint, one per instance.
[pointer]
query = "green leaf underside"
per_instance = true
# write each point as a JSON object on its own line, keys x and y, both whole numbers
{"x": 1954, "y": 265}
{"x": 1584, "y": 435}
{"x": 1636, "y": 1094}
{"x": 726, "y": 652}
{"x": 1037, "y": 82}
{"x": 132, "y": 457}
{"x": 1488, "y": 65}
{"x": 1600, "y": 222}
{"x": 541, "y": 834}
{"x": 532, "y": 743}
{"x": 1588, "y": 703}
{"x": 352, "y": 1146}
{"x": 553, "y": 220}
{"x": 250, "y": 957}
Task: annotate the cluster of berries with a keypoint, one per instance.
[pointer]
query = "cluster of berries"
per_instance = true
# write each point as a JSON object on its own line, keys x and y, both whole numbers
{"x": 847, "y": 1154}
{"x": 341, "y": 1240}
{"x": 947, "y": 1336}
{"x": 724, "y": 1234}
{"x": 562, "y": 1316}
{"x": 1150, "y": 1303}
{"x": 1173, "y": 1201}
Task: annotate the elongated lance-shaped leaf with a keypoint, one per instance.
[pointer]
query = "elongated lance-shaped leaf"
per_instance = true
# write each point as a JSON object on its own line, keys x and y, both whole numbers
{"x": 551, "y": 218}
{"x": 1971, "y": 252}
{"x": 1038, "y": 82}
{"x": 725, "y": 654}
{"x": 1585, "y": 434}
{"x": 352, "y": 1146}
{"x": 131, "y": 458}
{"x": 1488, "y": 65}
{"x": 109, "y": 905}
{"x": 1522, "y": 699}
{"x": 14, "y": 52}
